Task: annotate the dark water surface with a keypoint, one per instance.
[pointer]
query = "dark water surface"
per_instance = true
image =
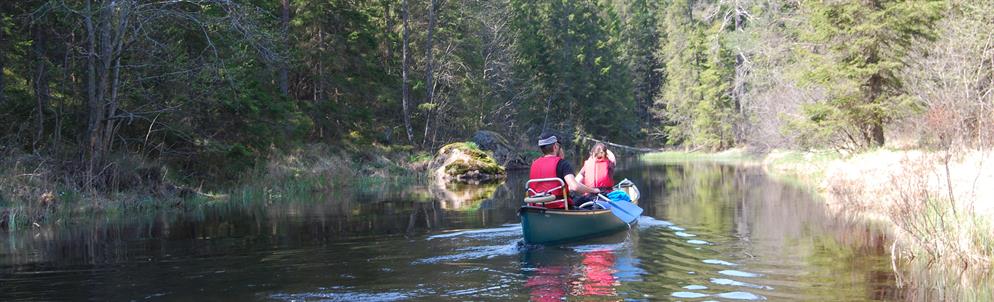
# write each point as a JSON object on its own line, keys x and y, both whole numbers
{"x": 710, "y": 232}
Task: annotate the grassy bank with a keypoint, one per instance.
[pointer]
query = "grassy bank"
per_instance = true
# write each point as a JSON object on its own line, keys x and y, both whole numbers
{"x": 940, "y": 203}
{"x": 731, "y": 155}
{"x": 35, "y": 193}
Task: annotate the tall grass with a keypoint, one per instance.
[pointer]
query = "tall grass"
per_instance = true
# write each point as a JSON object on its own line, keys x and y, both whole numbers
{"x": 940, "y": 223}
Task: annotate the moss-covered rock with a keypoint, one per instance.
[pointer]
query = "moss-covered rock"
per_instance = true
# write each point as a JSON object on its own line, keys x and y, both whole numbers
{"x": 464, "y": 162}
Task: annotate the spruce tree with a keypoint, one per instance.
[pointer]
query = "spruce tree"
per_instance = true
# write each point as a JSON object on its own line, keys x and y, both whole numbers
{"x": 863, "y": 45}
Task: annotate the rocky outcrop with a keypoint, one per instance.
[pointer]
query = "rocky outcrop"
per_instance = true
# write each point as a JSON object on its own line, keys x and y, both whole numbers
{"x": 501, "y": 149}
{"x": 465, "y": 163}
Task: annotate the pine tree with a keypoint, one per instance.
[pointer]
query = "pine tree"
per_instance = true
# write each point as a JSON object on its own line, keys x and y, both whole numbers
{"x": 863, "y": 46}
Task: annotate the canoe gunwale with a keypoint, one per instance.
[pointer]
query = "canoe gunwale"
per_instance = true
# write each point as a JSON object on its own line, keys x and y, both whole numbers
{"x": 561, "y": 211}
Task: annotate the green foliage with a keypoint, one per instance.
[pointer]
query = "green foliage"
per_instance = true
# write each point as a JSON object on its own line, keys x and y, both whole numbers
{"x": 572, "y": 51}
{"x": 861, "y": 49}
{"x": 696, "y": 100}
{"x": 199, "y": 88}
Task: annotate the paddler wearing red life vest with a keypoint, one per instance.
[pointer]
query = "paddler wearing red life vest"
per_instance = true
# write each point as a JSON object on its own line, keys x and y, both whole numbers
{"x": 552, "y": 165}
{"x": 598, "y": 168}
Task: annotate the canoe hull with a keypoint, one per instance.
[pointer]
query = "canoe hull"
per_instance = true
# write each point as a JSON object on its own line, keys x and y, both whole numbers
{"x": 544, "y": 226}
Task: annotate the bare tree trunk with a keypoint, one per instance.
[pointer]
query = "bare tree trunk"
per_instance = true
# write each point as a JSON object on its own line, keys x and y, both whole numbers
{"x": 3, "y": 62}
{"x": 405, "y": 89}
{"x": 319, "y": 86}
{"x": 284, "y": 80}
{"x": 389, "y": 29}
{"x": 67, "y": 74}
{"x": 40, "y": 81}
{"x": 94, "y": 104}
{"x": 429, "y": 68}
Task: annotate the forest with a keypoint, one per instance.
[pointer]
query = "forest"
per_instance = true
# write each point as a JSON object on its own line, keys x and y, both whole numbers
{"x": 95, "y": 89}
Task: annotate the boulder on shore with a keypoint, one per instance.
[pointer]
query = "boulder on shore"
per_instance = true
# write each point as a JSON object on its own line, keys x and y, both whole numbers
{"x": 465, "y": 163}
{"x": 502, "y": 151}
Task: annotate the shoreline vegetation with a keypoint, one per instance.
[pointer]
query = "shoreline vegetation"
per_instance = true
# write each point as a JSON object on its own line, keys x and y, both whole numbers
{"x": 937, "y": 200}
{"x": 33, "y": 195}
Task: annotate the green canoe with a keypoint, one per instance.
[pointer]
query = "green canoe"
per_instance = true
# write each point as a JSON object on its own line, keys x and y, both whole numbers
{"x": 543, "y": 226}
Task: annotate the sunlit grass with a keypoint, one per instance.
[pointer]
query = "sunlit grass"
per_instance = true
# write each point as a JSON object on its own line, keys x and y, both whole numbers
{"x": 731, "y": 155}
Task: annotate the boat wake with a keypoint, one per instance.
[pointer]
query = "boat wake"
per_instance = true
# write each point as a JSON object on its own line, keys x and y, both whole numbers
{"x": 507, "y": 235}
{"x": 649, "y": 222}
{"x": 475, "y": 252}
{"x": 503, "y": 231}
{"x": 343, "y": 294}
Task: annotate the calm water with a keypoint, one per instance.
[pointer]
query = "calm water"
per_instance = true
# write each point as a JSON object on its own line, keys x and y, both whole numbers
{"x": 710, "y": 232}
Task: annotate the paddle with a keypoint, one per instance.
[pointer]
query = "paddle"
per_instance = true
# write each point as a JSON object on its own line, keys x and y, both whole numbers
{"x": 626, "y": 211}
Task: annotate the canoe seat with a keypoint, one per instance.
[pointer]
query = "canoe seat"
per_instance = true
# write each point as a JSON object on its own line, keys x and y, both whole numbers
{"x": 540, "y": 198}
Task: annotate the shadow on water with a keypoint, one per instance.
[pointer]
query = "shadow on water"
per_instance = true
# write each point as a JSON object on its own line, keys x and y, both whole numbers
{"x": 710, "y": 231}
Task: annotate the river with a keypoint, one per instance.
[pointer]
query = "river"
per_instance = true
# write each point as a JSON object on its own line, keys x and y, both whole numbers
{"x": 710, "y": 231}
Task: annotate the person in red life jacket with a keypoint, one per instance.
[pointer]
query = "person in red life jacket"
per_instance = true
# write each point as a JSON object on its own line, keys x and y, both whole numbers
{"x": 552, "y": 165}
{"x": 598, "y": 168}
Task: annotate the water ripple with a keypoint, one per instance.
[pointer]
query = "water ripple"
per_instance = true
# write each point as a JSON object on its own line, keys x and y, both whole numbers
{"x": 344, "y": 296}
{"x": 718, "y": 262}
{"x": 735, "y": 273}
{"x": 475, "y": 252}
{"x": 688, "y": 295}
{"x": 741, "y": 296}
{"x": 599, "y": 247}
{"x": 730, "y": 282}
{"x": 646, "y": 222}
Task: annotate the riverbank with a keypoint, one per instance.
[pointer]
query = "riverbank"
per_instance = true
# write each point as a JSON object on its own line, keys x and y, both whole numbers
{"x": 34, "y": 193}
{"x": 940, "y": 203}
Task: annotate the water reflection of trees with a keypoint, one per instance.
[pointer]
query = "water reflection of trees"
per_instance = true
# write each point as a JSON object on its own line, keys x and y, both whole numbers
{"x": 742, "y": 207}
{"x": 323, "y": 216}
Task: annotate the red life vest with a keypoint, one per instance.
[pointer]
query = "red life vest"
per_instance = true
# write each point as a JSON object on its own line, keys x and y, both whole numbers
{"x": 545, "y": 167}
{"x": 597, "y": 173}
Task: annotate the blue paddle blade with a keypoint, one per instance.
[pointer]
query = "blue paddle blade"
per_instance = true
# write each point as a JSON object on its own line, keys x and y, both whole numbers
{"x": 626, "y": 211}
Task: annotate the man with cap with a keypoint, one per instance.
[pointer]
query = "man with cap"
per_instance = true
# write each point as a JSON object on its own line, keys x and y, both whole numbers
{"x": 552, "y": 165}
